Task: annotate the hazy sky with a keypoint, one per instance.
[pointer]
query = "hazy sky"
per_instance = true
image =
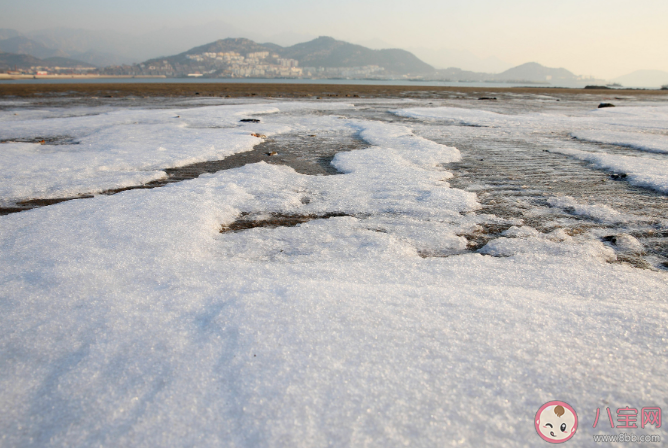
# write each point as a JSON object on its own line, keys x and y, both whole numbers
{"x": 604, "y": 38}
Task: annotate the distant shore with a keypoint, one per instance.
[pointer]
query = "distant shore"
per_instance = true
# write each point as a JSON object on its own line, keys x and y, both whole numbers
{"x": 6, "y": 76}
{"x": 286, "y": 90}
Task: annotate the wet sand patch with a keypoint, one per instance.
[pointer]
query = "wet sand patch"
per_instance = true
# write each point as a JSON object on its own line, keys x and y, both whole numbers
{"x": 53, "y": 140}
{"x": 248, "y": 221}
{"x": 514, "y": 180}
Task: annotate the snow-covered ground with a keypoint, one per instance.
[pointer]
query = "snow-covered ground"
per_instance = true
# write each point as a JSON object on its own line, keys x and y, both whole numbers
{"x": 131, "y": 320}
{"x": 120, "y": 148}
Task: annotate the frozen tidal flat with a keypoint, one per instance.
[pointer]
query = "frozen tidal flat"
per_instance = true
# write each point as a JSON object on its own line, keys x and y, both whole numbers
{"x": 131, "y": 320}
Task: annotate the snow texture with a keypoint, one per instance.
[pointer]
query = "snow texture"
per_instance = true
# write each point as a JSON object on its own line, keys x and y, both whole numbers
{"x": 130, "y": 320}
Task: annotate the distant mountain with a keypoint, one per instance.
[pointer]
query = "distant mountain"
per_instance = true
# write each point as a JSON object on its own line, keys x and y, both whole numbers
{"x": 8, "y": 61}
{"x": 534, "y": 72}
{"x": 326, "y": 56}
{"x": 97, "y": 48}
{"x": 64, "y": 62}
{"x": 97, "y": 58}
{"x": 105, "y": 47}
{"x": 239, "y": 45}
{"x": 644, "y": 78}
{"x": 323, "y": 52}
{"x": 329, "y": 52}
{"x": 23, "y": 45}
{"x": 6, "y": 33}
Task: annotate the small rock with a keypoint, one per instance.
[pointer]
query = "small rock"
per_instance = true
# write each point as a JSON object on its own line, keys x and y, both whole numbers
{"x": 602, "y": 105}
{"x": 249, "y": 120}
{"x": 620, "y": 176}
{"x": 273, "y": 153}
{"x": 489, "y": 98}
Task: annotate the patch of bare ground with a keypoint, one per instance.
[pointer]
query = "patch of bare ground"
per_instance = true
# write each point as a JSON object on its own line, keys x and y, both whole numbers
{"x": 54, "y": 140}
{"x": 248, "y": 221}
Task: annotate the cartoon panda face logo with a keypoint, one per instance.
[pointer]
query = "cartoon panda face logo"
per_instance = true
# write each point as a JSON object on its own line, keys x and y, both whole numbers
{"x": 556, "y": 422}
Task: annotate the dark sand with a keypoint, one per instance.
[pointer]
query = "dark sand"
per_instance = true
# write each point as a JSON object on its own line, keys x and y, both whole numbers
{"x": 235, "y": 90}
{"x": 247, "y": 221}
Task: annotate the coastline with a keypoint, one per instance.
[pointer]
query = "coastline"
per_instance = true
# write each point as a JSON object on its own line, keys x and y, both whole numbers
{"x": 289, "y": 90}
{"x": 6, "y": 77}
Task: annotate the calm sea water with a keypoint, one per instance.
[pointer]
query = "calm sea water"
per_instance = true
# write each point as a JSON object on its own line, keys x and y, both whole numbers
{"x": 390, "y": 82}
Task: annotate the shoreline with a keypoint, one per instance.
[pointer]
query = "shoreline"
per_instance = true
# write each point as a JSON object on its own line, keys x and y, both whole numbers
{"x": 6, "y": 77}
{"x": 282, "y": 90}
